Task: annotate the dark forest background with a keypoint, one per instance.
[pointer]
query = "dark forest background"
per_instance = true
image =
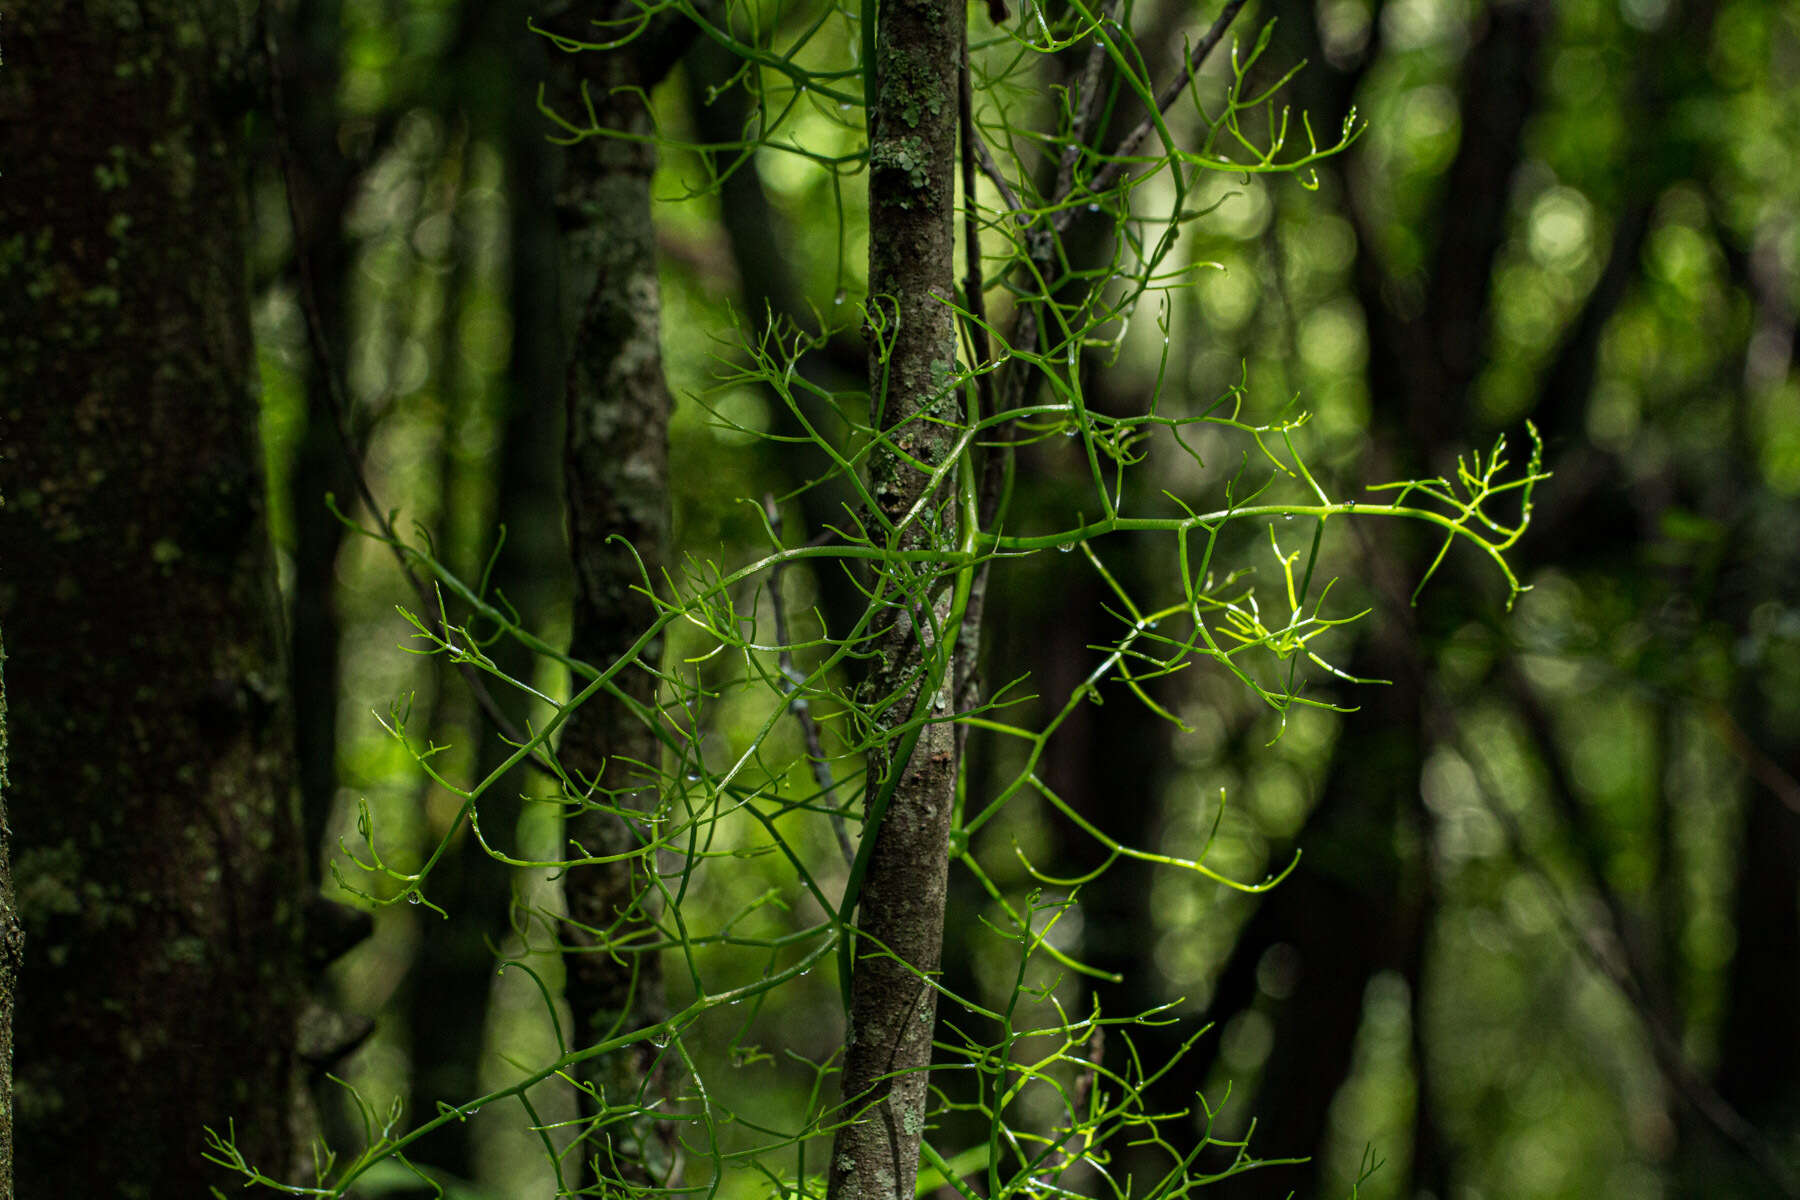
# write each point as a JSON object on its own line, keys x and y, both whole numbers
{"x": 1544, "y": 940}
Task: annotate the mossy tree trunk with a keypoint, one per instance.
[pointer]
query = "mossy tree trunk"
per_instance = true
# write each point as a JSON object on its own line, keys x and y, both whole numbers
{"x": 616, "y": 453}
{"x": 158, "y": 856}
{"x": 893, "y": 1011}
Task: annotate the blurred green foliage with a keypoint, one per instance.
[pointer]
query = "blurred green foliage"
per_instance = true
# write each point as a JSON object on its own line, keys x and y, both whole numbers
{"x": 1589, "y": 910}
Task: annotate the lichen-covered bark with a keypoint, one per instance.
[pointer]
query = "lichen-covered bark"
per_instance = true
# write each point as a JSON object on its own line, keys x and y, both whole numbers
{"x": 12, "y": 949}
{"x": 156, "y": 853}
{"x": 912, "y": 146}
{"x": 616, "y": 482}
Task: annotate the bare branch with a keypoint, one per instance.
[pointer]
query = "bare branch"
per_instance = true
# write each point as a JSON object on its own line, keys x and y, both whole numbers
{"x": 1115, "y": 169}
{"x": 798, "y": 705}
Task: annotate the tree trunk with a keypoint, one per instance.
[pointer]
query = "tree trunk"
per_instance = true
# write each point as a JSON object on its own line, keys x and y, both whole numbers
{"x": 616, "y": 486}
{"x": 321, "y": 187}
{"x": 912, "y": 146}
{"x": 493, "y": 77}
{"x": 159, "y": 856}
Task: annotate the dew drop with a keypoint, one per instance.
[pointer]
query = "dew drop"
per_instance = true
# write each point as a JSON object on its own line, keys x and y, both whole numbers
{"x": 839, "y": 298}
{"x": 1093, "y": 208}
{"x": 1065, "y": 547}
{"x": 412, "y": 897}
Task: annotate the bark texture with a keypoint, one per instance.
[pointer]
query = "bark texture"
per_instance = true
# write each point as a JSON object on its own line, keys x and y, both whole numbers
{"x": 912, "y": 146}
{"x": 158, "y": 848}
{"x": 616, "y": 452}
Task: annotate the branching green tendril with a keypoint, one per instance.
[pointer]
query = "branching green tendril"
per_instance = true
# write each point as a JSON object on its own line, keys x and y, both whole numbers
{"x": 738, "y": 875}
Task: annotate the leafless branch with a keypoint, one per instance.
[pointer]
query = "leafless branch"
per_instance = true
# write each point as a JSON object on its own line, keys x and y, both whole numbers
{"x": 997, "y": 177}
{"x": 797, "y": 704}
{"x": 1765, "y": 770}
{"x": 973, "y": 287}
{"x": 1171, "y": 91}
{"x": 1088, "y": 90}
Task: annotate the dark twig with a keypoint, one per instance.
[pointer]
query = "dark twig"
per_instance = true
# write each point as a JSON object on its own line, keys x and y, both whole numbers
{"x": 1114, "y": 169}
{"x": 319, "y": 345}
{"x": 997, "y": 177}
{"x": 797, "y": 704}
{"x": 1765, "y": 770}
{"x": 973, "y": 288}
{"x": 1082, "y": 128}
{"x": 963, "y": 683}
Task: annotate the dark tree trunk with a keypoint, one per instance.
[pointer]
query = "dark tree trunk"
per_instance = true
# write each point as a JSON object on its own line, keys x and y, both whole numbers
{"x": 1759, "y": 1052}
{"x": 318, "y": 190}
{"x": 1111, "y": 761}
{"x": 1348, "y": 913}
{"x": 320, "y": 193}
{"x": 496, "y": 72}
{"x": 159, "y": 859}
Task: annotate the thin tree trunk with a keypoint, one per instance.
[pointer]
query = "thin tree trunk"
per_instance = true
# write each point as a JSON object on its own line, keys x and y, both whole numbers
{"x": 616, "y": 486}
{"x": 321, "y": 187}
{"x": 319, "y": 190}
{"x": 453, "y": 974}
{"x": 912, "y": 146}
{"x": 159, "y": 858}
